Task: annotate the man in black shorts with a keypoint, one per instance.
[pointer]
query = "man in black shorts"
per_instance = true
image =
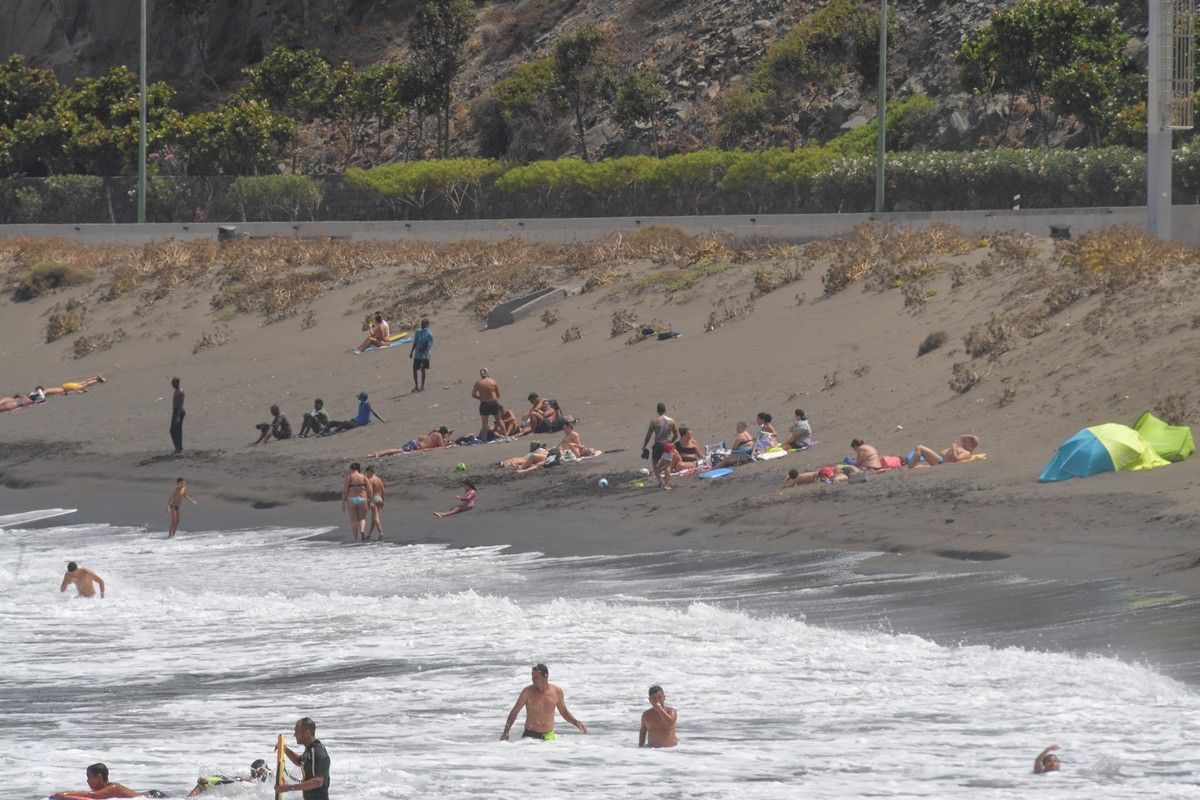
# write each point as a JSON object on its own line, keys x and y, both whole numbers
{"x": 487, "y": 392}
{"x": 314, "y": 762}
{"x": 421, "y": 349}
{"x": 662, "y": 429}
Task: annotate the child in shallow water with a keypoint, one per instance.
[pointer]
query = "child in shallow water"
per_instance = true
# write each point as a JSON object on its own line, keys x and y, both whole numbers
{"x": 466, "y": 501}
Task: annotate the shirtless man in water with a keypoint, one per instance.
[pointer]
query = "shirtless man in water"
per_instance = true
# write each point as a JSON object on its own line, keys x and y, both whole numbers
{"x": 540, "y": 699}
{"x": 84, "y": 581}
{"x": 487, "y": 392}
{"x": 100, "y": 786}
{"x": 658, "y": 723}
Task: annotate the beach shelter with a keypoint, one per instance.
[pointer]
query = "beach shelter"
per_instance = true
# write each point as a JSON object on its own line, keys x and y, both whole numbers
{"x": 1101, "y": 448}
{"x": 1172, "y": 442}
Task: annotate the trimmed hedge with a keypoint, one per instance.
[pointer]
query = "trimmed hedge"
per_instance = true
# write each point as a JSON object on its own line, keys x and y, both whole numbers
{"x": 777, "y": 180}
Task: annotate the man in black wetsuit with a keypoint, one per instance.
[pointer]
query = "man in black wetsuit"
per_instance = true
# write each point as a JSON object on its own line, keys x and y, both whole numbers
{"x": 177, "y": 415}
{"x": 314, "y": 761}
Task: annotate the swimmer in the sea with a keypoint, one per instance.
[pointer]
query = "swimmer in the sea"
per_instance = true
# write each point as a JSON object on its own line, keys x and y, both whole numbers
{"x": 84, "y": 580}
{"x": 1046, "y": 761}
{"x": 540, "y": 699}
{"x": 259, "y": 773}
{"x": 175, "y": 502}
{"x": 100, "y": 786}
{"x": 658, "y": 723}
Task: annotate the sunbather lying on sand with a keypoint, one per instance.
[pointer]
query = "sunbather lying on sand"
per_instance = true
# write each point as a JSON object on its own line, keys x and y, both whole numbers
{"x": 42, "y": 392}
{"x": 439, "y": 437}
{"x": 828, "y": 475}
{"x": 960, "y": 450}
{"x": 522, "y": 464}
{"x": 14, "y": 402}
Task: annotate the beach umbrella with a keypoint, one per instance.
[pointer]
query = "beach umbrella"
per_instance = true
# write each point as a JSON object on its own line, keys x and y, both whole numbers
{"x": 1101, "y": 448}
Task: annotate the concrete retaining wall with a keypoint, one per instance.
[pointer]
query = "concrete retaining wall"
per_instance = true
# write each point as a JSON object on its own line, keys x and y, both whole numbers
{"x": 787, "y": 227}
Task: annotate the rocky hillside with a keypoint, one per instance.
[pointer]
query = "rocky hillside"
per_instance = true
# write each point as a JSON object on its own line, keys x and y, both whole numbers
{"x": 705, "y": 49}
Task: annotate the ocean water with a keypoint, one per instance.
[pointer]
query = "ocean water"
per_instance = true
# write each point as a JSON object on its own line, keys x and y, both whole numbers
{"x": 788, "y": 673}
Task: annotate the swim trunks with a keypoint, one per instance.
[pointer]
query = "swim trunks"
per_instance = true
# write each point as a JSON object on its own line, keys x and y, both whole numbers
{"x": 489, "y": 408}
{"x": 420, "y": 363}
{"x": 174, "y": 506}
{"x": 358, "y": 501}
{"x": 72, "y": 387}
{"x": 377, "y": 500}
{"x": 548, "y": 736}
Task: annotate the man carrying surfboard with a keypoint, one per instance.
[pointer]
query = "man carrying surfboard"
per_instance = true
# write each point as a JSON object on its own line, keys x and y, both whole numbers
{"x": 314, "y": 762}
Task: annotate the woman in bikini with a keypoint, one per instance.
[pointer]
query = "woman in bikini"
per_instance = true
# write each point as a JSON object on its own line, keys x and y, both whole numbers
{"x": 690, "y": 451}
{"x": 743, "y": 447}
{"x": 356, "y": 500}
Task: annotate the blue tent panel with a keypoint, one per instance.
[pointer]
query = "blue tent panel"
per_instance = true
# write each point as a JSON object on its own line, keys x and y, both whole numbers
{"x": 1081, "y": 455}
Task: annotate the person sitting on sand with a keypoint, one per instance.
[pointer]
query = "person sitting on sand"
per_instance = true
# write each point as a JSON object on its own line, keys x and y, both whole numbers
{"x": 377, "y": 336}
{"x": 84, "y": 580}
{"x": 68, "y": 387}
{"x": 504, "y": 427}
{"x": 1046, "y": 761}
{"x": 865, "y": 456}
{"x": 365, "y": 412}
{"x": 742, "y": 449}
{"x": 800, "y": 437}
{"x": 436, "y": 438}
{"x": 259, "y": 773}
{"x": 539, "y": 413}
{"x": 528, "y": 463}
{"x": 315, "y": 421}
{"x": 765, "y": 435}
{"x": 277, "y": 428}
{"x": 829, "y": 475}
{"x": 100, "y": 786}
{"x": 466, "y": 501}
{"x": 962, "y": 449}
{"x": 691, "y": 453}
{"x": 570, "y": 442}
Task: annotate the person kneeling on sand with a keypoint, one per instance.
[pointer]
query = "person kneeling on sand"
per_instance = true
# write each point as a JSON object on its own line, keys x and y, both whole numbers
{"x": 277, "y": 428}
{"x": 466, "y": 501}
{"x": 1046, "y": 761}
{"x": 100, "y": 786}
{"x": 962, "y": 449}
{"x": 436, "y": 438}
{"x": 504, "y": 427}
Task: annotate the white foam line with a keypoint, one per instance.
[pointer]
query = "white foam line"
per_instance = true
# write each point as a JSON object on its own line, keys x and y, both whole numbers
{"x": 8, "y": 520}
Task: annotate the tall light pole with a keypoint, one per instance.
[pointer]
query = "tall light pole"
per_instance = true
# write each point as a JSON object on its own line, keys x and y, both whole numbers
{"x": 141, "y": 188}
{"x": 1158, "y": 139}
{"x": 881, "y": 137}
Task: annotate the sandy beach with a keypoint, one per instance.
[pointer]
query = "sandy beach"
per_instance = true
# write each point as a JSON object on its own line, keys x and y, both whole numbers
{"x": 780, "y": 340}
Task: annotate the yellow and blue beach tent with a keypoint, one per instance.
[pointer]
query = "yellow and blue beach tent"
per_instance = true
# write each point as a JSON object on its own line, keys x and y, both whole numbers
{"x": 1172, "y": 442}
{"x": 1101, "y": 448}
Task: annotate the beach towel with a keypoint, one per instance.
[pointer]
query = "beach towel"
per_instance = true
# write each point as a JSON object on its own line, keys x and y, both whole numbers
{"x": 771, "y": 453}
{"x": 889, "y": 462}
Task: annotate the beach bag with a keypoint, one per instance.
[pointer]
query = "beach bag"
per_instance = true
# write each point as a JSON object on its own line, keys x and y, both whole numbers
{"x": 891, "y": 462}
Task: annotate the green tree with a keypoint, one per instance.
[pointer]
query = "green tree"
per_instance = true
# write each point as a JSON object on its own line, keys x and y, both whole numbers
{"x": 101, "y": 119}
{"x": 28, "y": 101}
{"x": 291, "y": 82}
{"x": 640, "y": 103}
{"x": 241, "y": 137}
{"x": 531, "y": 103}
{"x": 1040, "y": 45}
{"x": 584, "y": 72}
{"x": 439, "y": 33}
{"x": 744, "y": 112}
{"x": 803, "y": 67}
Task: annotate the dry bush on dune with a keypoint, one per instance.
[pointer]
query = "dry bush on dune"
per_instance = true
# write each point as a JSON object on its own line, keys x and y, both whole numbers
{"x": 992, "y": 338}
{"x": 831, "y": 381}
{"x": 1099, "y": 319}
{"x": 1116, "y": 258}
{"x": 915, "y": 294}
{"x": 769, "y": 279}
{"x": 572, "y": 334}
{"x": 1063, "y": 294}
{"x": 70, "y": 319}
{"x": 1175, "y": 409}
{"x": 1007, "y": 396}
{"x": 932, "y": 342}
{"x": 623, "y": 321}
{"x": 99, "y": 342}
{"x": 598, "y": 279}
{"x": 963, "y": 378}
{"x": 857, "y": 253}
{"x": 726, "y": 312}
{"x": 549, "y": 317}
{"x": 215, "y": 339}
{"x": 1009, "y": 251}
{"x": 47, "y": 277}
{"x": 861, "y": 370}
{"x": 649, "y": 330}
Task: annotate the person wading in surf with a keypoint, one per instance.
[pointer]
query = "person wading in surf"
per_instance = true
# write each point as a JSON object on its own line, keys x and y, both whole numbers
{"x": 100, "y": 786}
{"x": 658, "y": 722}
{"x": 84, "y": 581}
{"x": 314, "y": 762}
{"x": 540, "y": 699}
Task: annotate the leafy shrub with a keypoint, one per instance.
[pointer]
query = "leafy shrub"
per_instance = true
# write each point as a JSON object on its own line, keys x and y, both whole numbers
{"x": 932, "y": 342}
{"x": 549, "y": 317}
{"x": 455, "y": 183}
{"x": 271, "y": 197}
{"x": 46, "y": 276}
{"x": 74, "y": 198}
{"x": 572, "y": 334}
{"x": 911, "y": 124}
{"x": 963, "y": 378}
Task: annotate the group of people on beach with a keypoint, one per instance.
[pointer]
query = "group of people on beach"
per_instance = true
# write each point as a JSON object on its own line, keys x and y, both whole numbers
{"x": 41, "y": 393}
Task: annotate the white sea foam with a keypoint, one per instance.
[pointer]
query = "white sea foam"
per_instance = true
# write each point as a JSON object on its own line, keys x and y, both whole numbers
{"x": 409, "y": 658}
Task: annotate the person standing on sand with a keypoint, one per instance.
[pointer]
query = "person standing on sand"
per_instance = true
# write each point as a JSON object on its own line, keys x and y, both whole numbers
{"x": 175, "y": 503}
{"x": 663, "y": 429}
{"x": 375, "y": 487}
{"x": 355, "y": 499}
{"x": 658, "y": 723}
{"x": 313, "y": 763}
{"x": 177, "y": 415}
{"x": 540, "y": 699}
{"x": 84, "y": 581}
{"x": 422, "y": 346}
{"x": 487, "y": 392}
